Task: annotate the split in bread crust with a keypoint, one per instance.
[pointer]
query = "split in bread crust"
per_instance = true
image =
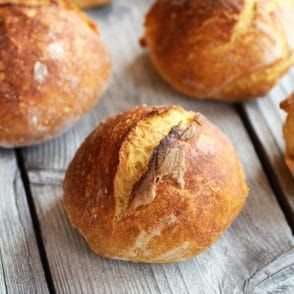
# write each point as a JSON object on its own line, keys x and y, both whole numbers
{"x": 228, "y": 50}
{"x": 154, "y": 184}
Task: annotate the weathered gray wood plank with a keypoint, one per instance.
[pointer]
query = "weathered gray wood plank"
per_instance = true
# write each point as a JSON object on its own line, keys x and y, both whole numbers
{"x": 20, "y": 266}
{"x": 258, "y": 236}
{"x": 276, "y": 277}
{"x": 267, "y": 120}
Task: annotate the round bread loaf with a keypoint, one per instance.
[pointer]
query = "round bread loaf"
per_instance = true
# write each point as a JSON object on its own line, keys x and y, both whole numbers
{"x": 91, "y": 3}
{"x": 53, "y": 69}
{"x": 288, "y": 106}
{"x": 155, "y": 184}
{"x": 228, "y": 50}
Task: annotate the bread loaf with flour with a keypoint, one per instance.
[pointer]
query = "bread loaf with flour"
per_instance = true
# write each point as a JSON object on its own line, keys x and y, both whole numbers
{"x": 54, "y": 67}
{"x": 154, "y": 184}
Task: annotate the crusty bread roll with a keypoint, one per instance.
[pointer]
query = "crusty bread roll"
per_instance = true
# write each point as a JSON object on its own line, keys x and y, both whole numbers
{"x": 53, "y": 69}
{"x": 154, "y": 184}
{"x": 288, "y": 106}
{"x": 90, "y": 3}
{"x": 226, "y": 50}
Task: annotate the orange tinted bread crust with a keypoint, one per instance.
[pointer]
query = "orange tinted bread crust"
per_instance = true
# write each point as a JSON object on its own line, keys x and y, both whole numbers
{"x": 288, "y": 106}
{"x": 228, "y": 50}
{"x": 181, "y": 199}
{"x": 53, "y": 69}
{"x": 91, "y": 3}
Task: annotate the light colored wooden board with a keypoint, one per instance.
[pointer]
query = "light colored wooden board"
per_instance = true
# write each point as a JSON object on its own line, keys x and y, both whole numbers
{"x": 267, "y": 120}
{"x": 20, "y": 266}
{"x": 275, "y": 277}
{"x": 258, "y": 236}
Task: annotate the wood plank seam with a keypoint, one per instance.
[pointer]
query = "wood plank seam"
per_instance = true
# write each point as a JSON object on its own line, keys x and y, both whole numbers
{"x": 269, "y": 172}
{"x": 35, "y": 221}
{"x": 3, "y": 271}
{"x": 21, "y": 223}
{"x": 279, "y": 273}
{"x": 21, "y": 269}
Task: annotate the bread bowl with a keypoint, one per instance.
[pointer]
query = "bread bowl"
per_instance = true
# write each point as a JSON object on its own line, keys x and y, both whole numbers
{"x": 155, "y": 184}
{"x": 225, "y": 50}
{"x": 53, "y": 69}
{"x": 91, "y": 3}
{"x": 288, "y": 106}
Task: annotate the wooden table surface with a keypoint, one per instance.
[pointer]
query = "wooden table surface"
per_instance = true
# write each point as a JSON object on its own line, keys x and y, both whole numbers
{"x": 40, "y": 252}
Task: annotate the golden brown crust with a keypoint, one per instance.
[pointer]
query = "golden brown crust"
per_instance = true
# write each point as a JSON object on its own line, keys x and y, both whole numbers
{"x": 53, "y": 69}
{"x": 33, "y": 3}
{"x": 227, "y": 50}
{"x": 197, "y": 189}
{"x": 288, "y": 106}
{"x": 91, "y": 3}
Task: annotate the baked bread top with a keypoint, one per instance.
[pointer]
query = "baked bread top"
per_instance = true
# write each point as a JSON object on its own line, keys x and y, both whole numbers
{"x": 53, "y": 69}
{"x": 154, "y": 184}
{"x": 229, "y": 50}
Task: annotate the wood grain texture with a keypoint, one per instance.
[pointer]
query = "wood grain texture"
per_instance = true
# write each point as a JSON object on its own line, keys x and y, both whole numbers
{"x": 266, "y": 119}
{"x": 20, "y": 266}
{"x": 258, "y": 236}
{"x": 275, "y": 277}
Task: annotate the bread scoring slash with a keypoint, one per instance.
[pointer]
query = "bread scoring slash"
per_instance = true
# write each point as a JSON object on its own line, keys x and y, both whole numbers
{"x": 230, "y": 50}
{"x": 154, "y": 184}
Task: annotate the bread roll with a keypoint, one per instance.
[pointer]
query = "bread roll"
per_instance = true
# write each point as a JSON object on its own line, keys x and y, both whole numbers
{"x": 288, "y": 106}
{"x": 53, "y": 69}
{"x": 225, "y": 50}
{"x": 90, "y": 3}
{"x": 155, "y": 184}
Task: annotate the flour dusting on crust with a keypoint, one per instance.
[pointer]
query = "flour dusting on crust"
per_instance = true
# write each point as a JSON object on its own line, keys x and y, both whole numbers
{"x": 56, "y": 50}
{"x": 40, "y": 72}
